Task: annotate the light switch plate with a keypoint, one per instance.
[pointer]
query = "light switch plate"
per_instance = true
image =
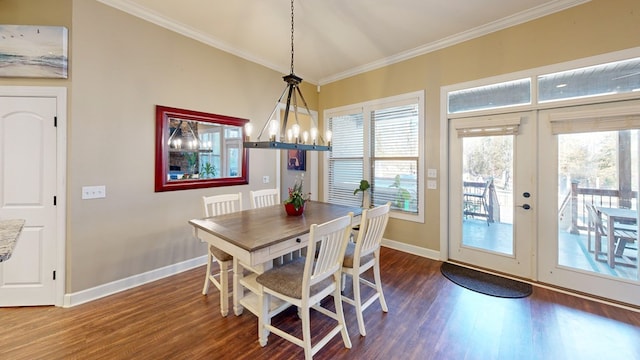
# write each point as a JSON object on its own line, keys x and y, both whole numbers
{"x": 94, "y": 192}
{"x": 265, "y": 179}
{"x": 431, "y": 184}
{"x": 432, "y": 173}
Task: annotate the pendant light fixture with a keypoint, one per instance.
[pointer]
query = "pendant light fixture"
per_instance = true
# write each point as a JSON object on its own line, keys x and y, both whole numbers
{"x": 279, "y": 136}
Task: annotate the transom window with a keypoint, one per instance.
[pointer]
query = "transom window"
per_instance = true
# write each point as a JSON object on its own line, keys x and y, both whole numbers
{"x": 612, "y": 78}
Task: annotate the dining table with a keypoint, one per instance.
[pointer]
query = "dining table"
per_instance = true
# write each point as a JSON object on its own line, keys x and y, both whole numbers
{"x": 621, "y": 218}
{"x": 256, "y": 237}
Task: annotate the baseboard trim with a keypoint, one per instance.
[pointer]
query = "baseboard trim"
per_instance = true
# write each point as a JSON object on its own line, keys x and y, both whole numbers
{"x": 411, "y": 249}
{"x": 117, "y": 286}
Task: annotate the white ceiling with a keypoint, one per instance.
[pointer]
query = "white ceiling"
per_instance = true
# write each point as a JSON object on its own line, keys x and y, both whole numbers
{"x": 335, "y": 39}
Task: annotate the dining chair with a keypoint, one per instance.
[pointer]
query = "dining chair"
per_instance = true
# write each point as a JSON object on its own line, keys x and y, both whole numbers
{"x": 623, "y": 235}
{"x": 266, "y": 197}
{"x": 213, "y": 206}
{"x": 269, "y": 197}
{"x": 363, "y": 255}
{"x": 305, "y": 282}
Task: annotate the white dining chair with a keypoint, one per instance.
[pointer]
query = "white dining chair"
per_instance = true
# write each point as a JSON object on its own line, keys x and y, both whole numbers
{"x": 265, "y": 197}
{"x": 363, "y": 255}
{"x": 305, "y": 282}
{"x": 269, "y": 197}
{"x": 213, "y": 206}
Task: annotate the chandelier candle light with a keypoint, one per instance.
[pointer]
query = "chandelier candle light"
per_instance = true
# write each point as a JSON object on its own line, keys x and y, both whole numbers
{"x": 308, "y": 140}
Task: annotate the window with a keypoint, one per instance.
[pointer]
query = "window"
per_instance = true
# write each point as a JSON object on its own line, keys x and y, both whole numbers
{"x": 505, "y": 94}
{"x": 378, "y": 141}
{"x": 611, "y": 78}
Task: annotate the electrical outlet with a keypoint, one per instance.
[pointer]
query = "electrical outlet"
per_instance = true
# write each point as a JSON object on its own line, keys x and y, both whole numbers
{"x": 94, "y": 192}
{"x": 265, "y": 179}
{"x": 431, "y": 184}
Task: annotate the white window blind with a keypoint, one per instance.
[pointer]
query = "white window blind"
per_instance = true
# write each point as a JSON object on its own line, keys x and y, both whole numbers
{"x": 620, "y": 118}
{"x": 346, "y": 159}
{"x": 394, "y": 156}
{"x": 490, "y": 127}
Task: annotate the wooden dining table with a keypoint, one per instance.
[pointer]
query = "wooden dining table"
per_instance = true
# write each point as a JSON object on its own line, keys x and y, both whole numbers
{"x": 256, "y": 237}
{"x": 616, "y": 216}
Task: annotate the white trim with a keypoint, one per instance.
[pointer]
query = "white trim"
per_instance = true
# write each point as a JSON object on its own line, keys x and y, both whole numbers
{"x": 60, "y": 93}
{"x": 117, "y": 286}
{"x": 147, "y": 14}
{"x": 504, "y": 23}
{"x": 411, "y": 249}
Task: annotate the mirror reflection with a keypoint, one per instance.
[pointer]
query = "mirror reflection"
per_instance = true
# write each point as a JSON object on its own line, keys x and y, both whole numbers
{"x": 198, "y": 150}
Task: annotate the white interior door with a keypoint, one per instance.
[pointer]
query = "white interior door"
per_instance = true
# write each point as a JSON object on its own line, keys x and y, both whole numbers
{"x": 27, "y": 190}
{"x": 492, "y": 192}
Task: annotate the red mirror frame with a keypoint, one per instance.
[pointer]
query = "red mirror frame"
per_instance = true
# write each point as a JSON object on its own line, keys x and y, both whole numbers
{"x": 162, "y": 181}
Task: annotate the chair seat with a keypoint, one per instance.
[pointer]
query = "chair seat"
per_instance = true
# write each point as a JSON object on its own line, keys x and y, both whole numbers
{"x": 287, "y": 279}
{"x": 219, "y": 254}
{"x": 348, "y": 256}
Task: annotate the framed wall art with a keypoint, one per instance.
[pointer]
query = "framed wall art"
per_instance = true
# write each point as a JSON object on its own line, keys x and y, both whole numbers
{"x": 297, "y": 160}
{"x": 33, "y": 51}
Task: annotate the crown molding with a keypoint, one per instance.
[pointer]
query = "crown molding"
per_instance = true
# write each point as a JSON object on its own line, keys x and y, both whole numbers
{"x": 516, "y": 19}
{"x": 149, "y": 15}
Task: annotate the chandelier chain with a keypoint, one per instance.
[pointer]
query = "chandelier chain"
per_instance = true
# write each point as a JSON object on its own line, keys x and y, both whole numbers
{"x": 292, "y": 36}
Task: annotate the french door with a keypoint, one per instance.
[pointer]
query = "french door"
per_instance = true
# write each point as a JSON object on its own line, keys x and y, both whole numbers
{"x": 550, "y": 195}
{"x": 492, "y": 207}
{"x": 588, "y": 232}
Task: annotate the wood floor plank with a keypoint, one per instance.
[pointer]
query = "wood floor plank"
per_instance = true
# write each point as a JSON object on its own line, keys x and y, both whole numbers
{"x": 429, "y": 318}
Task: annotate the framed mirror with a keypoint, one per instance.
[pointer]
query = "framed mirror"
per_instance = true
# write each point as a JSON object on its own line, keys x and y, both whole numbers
{"x": 198, "y": 150}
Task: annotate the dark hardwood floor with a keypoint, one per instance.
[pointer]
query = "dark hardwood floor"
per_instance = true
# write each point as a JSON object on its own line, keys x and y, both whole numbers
{"x": 429, "y": 318}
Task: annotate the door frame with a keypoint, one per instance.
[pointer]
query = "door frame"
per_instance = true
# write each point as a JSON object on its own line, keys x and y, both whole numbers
{"x": 60, "y": 94}
{"x": 521, "y": 263}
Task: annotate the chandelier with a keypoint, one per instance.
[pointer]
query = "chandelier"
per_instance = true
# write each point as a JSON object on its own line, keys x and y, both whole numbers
{"x": 294, "y": 138}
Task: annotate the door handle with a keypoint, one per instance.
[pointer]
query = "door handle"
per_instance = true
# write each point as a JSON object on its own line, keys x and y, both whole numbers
{"x": 525, "y": 206}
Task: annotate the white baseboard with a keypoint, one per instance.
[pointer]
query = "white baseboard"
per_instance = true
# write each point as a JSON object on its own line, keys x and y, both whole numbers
{"x": 411, "y": 249}
{"x": 117, "y": 286}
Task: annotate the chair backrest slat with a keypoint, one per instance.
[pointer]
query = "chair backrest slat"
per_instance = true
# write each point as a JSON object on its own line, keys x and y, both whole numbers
{"x": 222, "y": 204}
{"x": 372, "y": 226}
{"x": 331, "y": 240}
{"x": 266, "y": 197}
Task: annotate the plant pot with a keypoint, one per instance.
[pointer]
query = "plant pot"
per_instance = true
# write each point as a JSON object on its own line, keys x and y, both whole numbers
{"x": 291, "y": 210}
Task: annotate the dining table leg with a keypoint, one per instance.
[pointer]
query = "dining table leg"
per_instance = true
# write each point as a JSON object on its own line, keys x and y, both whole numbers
{"x": 612, "y": 242}
{"x": 238, "y": 290}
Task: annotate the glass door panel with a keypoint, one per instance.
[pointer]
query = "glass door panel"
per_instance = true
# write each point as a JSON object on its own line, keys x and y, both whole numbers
{"x": 487, "y": 193}
{"x": 598, "y": 182}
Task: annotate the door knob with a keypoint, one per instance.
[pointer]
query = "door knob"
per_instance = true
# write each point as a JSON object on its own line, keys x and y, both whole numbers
{"x": 525, "y": 206}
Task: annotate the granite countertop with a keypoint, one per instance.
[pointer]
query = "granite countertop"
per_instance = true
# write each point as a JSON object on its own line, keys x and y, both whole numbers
{"x": 9, "y": 232}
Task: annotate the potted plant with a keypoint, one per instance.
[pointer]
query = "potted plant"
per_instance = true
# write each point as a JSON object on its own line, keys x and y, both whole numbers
{"x": 294, "y": 204}
{"x": 403, "y": 196}
{"x": 364, "y": 187}
{"x": 209, "y": 170}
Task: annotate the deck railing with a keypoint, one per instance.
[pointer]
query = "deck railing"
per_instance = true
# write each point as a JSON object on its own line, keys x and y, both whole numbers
{"x": 573, "y": 204}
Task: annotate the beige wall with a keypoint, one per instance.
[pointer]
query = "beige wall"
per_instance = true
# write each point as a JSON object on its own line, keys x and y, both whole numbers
{"x": 597, "y": 27}
{"x": 121, "y": 67}
{"x": 124, "y": 66}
